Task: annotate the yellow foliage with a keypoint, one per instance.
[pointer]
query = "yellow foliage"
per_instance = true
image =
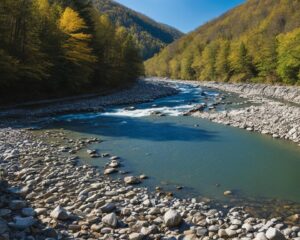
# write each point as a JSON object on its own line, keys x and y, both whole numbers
{"x": 70, "y": 22}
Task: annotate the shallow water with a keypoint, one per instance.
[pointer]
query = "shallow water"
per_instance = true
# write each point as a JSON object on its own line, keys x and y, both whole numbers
{"x": 204, "y": 157}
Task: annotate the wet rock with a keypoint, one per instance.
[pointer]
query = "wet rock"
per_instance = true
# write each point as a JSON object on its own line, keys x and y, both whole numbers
{"x": 228, "y": 193}
{"x": 131, "y": 180}
{"x": 109, "y": 171}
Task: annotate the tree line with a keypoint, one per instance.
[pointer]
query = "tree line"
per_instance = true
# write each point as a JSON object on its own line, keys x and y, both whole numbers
{"x": 256, "y": 42}
{"x": 58, "y": 48}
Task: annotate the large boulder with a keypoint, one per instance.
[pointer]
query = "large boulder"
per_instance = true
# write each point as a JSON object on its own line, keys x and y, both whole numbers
{"x": 59, "y": 213}
{"x": 274, "y": 234}
{"x": 110, "y": 220}
{"x": 172, "y": 218}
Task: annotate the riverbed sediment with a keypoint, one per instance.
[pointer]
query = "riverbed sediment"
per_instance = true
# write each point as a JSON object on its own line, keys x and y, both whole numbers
{"x": 47, "y": 194}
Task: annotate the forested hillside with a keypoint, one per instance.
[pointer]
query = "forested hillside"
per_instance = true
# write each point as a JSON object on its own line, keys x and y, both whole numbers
{"x": 258, "y": 41}
{"x": 61, "y": 47}
{"x": 149, "y": 35}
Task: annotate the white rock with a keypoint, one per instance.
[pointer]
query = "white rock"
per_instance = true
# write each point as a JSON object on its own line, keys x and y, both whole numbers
{"x": 108, "y": 171}
{"x": 136, "y": 236}
{"x": 274, "y": 234}
{"x": 172, "y": 218}
{"x": 59, "y": 213}
{"x": 131, "y": 180}
{"x": 110, "y": 220}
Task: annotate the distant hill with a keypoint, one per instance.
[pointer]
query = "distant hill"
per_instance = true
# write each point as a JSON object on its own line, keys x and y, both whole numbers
{"x": 150, "y": 35}
{"x": 258, "y": 41}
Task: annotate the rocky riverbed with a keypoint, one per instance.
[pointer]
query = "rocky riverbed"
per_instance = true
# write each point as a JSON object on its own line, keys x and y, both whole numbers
{"x": 272, "y": 109}
{"x": 46, "y": 194}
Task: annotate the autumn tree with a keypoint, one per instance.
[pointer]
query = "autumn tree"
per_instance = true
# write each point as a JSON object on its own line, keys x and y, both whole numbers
{"x": 222, "y": 64}
{"x": 77, "y": 52}
{"x": 289, "y": 56}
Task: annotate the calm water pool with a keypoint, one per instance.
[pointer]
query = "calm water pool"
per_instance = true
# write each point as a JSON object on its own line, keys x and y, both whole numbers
{"x": 204, "y": 157}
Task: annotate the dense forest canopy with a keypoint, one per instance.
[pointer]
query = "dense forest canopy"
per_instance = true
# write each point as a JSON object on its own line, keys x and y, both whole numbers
{"x": 52, "y": 48}
{"x": 149, "y": 35}
{"x": 258, "y": 41}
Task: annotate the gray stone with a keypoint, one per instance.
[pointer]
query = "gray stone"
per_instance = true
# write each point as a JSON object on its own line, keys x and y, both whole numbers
{"x": 59, "y": 213}
{"x": 136, "y": 236}
{"x": 274, "y": 234}
{"x": 110, "y": 220}
{"x": 172, "y": 218}
{"x": 132, "y": 180}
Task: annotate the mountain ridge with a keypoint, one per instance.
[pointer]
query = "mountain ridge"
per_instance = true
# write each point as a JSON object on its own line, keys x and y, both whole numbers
{"x": 249, "y": 42}
{"x": 150, "y": 35}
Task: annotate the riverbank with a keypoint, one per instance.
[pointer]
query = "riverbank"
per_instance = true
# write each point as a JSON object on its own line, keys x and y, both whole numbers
{"x": 141, "y": 91}
{"x": 50, "y": 196}
{"x": 47, "y": 194}
{"x": 269, "y": 113}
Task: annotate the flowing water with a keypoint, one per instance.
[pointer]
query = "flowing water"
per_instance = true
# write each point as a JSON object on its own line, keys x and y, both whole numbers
{"x": 176, "y": 150}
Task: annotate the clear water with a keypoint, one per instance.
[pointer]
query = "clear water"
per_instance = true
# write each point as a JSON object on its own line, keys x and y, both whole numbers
{"x": 191, "y": 152}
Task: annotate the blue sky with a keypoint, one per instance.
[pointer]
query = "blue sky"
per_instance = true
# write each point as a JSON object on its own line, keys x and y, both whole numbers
{"x": 186, "y": 15}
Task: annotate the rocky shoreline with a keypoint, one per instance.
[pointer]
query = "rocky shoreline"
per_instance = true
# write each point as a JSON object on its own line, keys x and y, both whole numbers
{"x": 141, "y": 91}
{"x": 267, "y": 116}
{"x": 46, "y": 194}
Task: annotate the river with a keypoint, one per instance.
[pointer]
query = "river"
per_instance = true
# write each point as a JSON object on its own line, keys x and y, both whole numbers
{"x": 203, "y": 157}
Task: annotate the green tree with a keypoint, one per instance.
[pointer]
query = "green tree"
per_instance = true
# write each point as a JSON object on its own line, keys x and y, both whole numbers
{"x": 209, "y": 56}
{"x": 289, "y": 56}
{"x": 241, "y": 63}
{"x": 222, "y": 64}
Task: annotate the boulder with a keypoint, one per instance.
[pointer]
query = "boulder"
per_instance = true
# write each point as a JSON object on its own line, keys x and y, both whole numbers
{"x": 132, "y": 180}
{"x": 59, "y": 213}
{"x": 108, "y": 171}
{"x": 136, "y": 236}
{"x": 172, "y": 218}
{"x": 110, "y": 220}
{"x": 274, "y": 234}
